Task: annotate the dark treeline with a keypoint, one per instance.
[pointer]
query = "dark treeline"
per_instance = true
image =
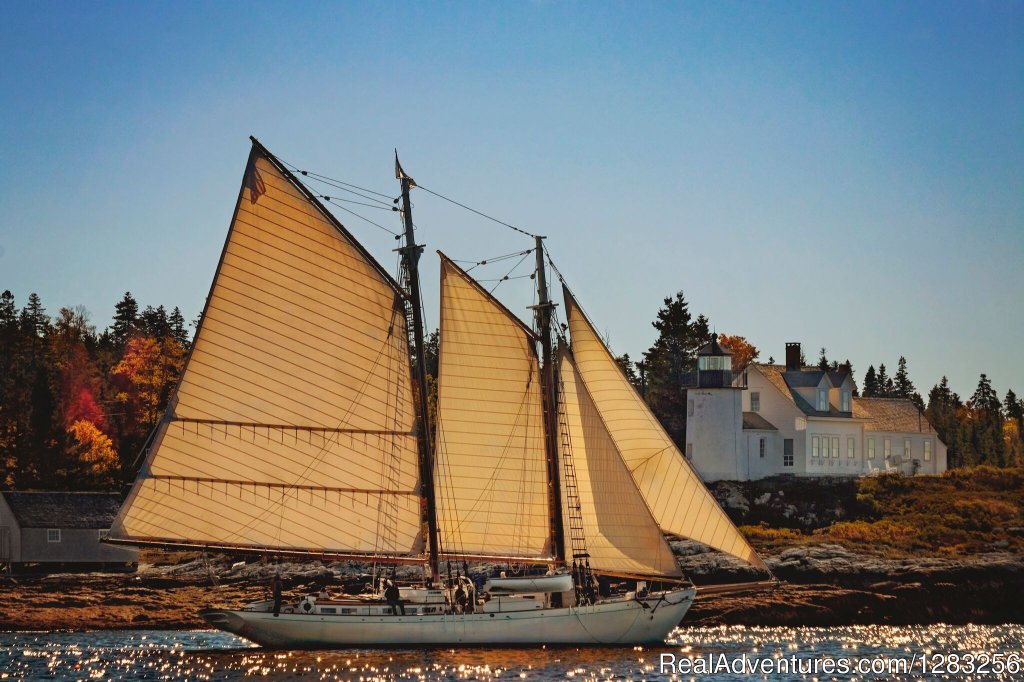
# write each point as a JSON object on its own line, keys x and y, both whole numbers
{"x": 77, "y": 406}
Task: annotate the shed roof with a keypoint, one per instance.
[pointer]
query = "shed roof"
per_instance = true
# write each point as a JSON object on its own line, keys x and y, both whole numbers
{"x": 754, "y": 421}
{"x": 63, "y": 510}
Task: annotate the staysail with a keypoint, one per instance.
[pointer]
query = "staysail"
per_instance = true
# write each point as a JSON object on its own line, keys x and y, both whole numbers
{"x": 292, "y": 427}
{"x": 621, "y": 535}
{"x": 676, "y": 495}
{"x": 490, "y": 471}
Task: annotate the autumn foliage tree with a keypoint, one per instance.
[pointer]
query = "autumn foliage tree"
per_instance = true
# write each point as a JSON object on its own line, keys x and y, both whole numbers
{"x": 743, "y": 352}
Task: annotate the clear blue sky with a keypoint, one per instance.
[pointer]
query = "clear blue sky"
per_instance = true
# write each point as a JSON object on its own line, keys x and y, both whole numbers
{"x": 847, "y": 175}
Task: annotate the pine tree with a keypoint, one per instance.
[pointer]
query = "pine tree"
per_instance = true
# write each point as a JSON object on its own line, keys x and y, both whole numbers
{"x": 870, "y": 383}
{"x": 628, "y": 369}
{"x": 904, "y": 387}
{"x": 823, "y": 360}
{"x": 847, "y": 367}
{"x": 885, "y": 383}
{"x": 126, "y": 315}
{"x": 666, "y": 363}
{"x": 987, "y": 424}
{"x": 178, "y": 331}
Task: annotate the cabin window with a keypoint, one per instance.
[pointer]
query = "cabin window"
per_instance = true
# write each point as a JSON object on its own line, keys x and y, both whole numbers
{"x": 887, "y": 448}
{"x": 846, "y": 402}
{"x": 327, "y": 609}
{"x": 755, "y": 401}
{"x": 906, "y": 448}
{"x": 835, "y": 447}
{"x": 787, "y": 452}
{"x": 53, "y": 535}
{"x": 815, "y": 446}
{"x": 348, "y": 611}
{"x": 762, "y": 446}
{"x": 871, "y": 448}
{"x": 411, "y": 612}
{"x": 927, "y": 451}
{"x": 851, "y": 445}
{"x": 823, "y": 400}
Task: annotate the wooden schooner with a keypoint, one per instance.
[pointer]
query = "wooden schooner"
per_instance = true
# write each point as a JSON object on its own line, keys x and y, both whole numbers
{"x": 299, "y": 429}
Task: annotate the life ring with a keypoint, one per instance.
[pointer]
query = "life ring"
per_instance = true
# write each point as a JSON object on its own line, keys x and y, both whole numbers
{"x": 307, "y": 606}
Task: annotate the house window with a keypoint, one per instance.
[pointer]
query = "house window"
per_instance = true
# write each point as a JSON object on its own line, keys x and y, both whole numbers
{"x": 689, "y": 451}
{"x": 823, "y": 400}
{"x": 871, "y": 448}
{"x": 53, "y": 535}
{"x": 755, "y": 401}
{"x": 906, "y": 448}
{"x": 846, "y": 402}
{"x": 762, "y": 447}
{"x": 887, "y": 448}
{"x": 835, "y": 447}
{"x": 815, "y": 445}
{"x": 787, "y": 452}
{"x": 689, "y": 408}
{"x": 102, "y": 533}
{"x": 851, "y": 444}
{"x": 826, "y": 447}
{"x": 927, "y": 451}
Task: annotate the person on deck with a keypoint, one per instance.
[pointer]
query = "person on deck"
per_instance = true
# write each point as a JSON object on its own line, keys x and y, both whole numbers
{"x": 393, "y": 598}
{"x": 275, "y": 587}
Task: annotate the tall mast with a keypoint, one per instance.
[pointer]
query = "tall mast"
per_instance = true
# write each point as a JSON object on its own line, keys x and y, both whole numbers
{"x": 410, "y": 260}
{"x": 549, "y": 388}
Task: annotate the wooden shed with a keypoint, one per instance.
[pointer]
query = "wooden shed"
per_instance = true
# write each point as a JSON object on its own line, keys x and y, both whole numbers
{"x": 57, "y": 530}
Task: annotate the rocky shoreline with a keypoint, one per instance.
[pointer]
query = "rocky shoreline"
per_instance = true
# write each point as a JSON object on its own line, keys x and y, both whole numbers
{"x": 821, "y": 585}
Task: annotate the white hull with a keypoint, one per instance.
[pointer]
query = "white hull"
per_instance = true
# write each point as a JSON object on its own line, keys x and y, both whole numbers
{"x": 626, "y": 621}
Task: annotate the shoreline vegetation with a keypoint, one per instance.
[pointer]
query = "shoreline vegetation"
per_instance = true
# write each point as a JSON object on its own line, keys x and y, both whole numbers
{"x": 887, "y": 550}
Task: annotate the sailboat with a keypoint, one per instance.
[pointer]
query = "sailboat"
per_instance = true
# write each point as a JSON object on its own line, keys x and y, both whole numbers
{"x": 299, "y": 429}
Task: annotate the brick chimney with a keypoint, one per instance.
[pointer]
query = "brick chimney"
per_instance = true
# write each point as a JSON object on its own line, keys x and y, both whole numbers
{"x": 793, "y": 356}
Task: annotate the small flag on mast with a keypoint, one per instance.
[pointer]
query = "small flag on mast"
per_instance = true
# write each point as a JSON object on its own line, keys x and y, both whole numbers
{"x": 400, "y": 174}
{"x": 254, "y": 182}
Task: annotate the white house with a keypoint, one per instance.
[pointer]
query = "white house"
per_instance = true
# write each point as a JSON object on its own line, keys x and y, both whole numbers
{"x": 790, "y": 419}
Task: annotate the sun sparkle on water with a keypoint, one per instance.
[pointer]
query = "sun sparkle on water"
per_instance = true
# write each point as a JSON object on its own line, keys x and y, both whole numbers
{"x": 202, "y": 655}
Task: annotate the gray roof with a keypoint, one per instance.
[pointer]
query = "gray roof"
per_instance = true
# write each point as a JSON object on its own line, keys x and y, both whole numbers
{"x": 712, "y": 347}
{"x": 805, "y": 378}
{"x": 63, "y": 510}
{"x": 754, "y": 421}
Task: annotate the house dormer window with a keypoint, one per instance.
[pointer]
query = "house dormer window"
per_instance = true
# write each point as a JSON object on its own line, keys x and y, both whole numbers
{"x": 846, "y": 407}
{"x": 822, "y": 399}
{"x": 755, "y": 401}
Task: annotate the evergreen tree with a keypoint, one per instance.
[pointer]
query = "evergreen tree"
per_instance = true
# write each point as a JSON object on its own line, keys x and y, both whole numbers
{"x": 870, "y": 383}
{"x": 943, "y": 411}
{"x": 823, "y": 360}
{"x": 987, "y": 424}
{"x": 885, "y": 383}
{"x": 1014, "y": 408}
{"x": 847, "y": 367}
{"x": 673, "y": 354}
{"x": 178, "y": 331}
{"x": 771, "y": 359}
{"x": 904, "y": 387}
{"x": 126, "y": 316}
{"x": 626, "y": 364}
{"x": 153, "y": 322}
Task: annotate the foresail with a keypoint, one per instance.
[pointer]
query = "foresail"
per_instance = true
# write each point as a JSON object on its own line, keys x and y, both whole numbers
{"x": 621, "y": 535}
{"x": 293, "y": 425}
{"x": 676, "y": 495}
{"x": 490, "y": 472}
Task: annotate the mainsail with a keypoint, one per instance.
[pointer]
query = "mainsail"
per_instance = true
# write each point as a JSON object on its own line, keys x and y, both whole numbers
{"x": 491, "y": 485}
{"x": 677, "y": 497}
{"x": 292, "y": 428}
{"x": 621, "y": 535}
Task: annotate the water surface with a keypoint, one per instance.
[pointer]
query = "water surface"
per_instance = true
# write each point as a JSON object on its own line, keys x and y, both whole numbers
{"x": 211, "y": 655}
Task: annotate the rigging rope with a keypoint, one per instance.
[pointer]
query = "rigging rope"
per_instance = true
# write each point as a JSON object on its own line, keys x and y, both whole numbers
{"x": 479, "y": 213}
